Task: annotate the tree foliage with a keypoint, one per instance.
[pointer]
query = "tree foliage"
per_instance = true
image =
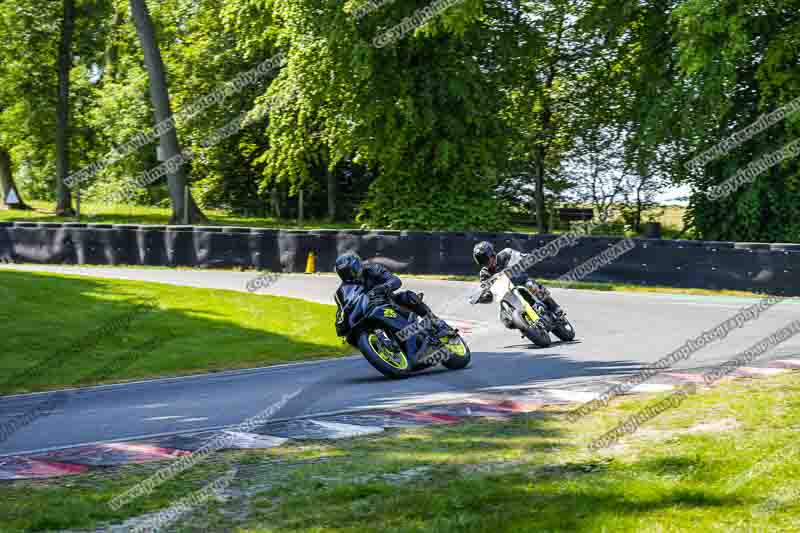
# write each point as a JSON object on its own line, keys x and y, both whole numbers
{"x": 491, "y": 108}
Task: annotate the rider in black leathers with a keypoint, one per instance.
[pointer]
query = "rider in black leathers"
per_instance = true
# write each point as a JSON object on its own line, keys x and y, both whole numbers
{"x": 491, "y": 263}
{"x": 376, "y": 279}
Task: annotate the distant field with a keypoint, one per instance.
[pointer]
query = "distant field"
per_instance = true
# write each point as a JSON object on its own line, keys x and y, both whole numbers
{"x": 672, "y": 217}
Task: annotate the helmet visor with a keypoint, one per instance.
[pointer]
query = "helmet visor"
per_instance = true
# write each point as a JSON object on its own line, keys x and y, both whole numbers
{"x": 349, "y": 269}
{"x": 482, "y": 258}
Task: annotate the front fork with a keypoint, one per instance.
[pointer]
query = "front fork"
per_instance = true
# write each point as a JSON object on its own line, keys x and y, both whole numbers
{"x": 527, "y": 308}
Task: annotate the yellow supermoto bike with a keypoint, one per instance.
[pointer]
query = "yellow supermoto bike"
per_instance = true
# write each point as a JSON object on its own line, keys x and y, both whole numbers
{"x": 520, "y": 308}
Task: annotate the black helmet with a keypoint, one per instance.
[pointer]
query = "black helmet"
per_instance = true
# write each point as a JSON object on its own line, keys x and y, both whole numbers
{"x": 349, "y": 268}
{"x": 483, "y": 253}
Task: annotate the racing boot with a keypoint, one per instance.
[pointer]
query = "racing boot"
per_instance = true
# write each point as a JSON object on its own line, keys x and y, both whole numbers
{"x": 554, "y": 308}
{"x": 440, "y": 327}
{"x": 543, "y": 293}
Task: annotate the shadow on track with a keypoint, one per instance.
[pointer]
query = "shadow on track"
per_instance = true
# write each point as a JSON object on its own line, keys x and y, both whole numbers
{"x": 489, "y": 371}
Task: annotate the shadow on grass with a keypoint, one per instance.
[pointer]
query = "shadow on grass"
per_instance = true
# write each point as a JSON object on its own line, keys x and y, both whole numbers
{"x": 433, "y": 479}
{"x": 453, "y": 497}
{"x": 59, "y": 331}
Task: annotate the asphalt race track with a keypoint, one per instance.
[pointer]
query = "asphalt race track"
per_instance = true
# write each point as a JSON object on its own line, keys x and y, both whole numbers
{"x": 617, "y": 333}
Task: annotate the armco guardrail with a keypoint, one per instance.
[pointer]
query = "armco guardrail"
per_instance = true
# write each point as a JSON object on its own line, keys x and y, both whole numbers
{"x": 773, "y": 268}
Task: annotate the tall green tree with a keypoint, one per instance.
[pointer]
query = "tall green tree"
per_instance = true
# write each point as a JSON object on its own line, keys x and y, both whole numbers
{"x": 741, "y": 58}
{"x": 547, "y": 66}
{"x": 28, "y": 88}
{"x": 639, "y": 91}
{"x": 64, "y": 68}
{"x": 159, "y": 93}
{"x": 420, "y": 113}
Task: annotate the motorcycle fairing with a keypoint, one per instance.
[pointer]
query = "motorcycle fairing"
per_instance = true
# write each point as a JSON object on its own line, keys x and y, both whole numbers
{"x": 357, "y": 309}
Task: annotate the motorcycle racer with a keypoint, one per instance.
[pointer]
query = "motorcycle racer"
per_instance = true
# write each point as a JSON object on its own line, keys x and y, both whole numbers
{"x": 491, "y": 263}
{"x": 375, "y": 279}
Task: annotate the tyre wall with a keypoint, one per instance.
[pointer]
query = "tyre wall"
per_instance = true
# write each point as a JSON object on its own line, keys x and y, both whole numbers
{"x": 773, "y": 268}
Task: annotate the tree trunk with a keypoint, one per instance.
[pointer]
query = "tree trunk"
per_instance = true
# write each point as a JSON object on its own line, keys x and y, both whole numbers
{"x": 637, "y": 219}
{"x": 159, "y": 94}
{"x": 275, "y": 201}
{"x": 332, "y": 186}
{"x": 112, "y": 50}
{"x": 7, "y": 182}
{"x": 642, "y": 178}
{"x": 542, "y": 148}
{"x": 300, "y": 208}
{"x": 541, "y": 215}
{"x": 63, "y": 198}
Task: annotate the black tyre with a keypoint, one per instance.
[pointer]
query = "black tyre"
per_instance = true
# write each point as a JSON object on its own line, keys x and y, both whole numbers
{"x": 391, "y": 363}
{"x": 460, "y": 354}
{"x": 564, "y": 331}
{"x": 535, "y": 333}
{"x": 538, "y": 336}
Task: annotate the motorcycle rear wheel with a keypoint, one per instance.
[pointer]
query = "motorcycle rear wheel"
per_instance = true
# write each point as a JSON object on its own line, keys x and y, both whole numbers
{"x": 564, "y": 331}
{"x": 391, "y": 363}
{"x": 460, "y": 354}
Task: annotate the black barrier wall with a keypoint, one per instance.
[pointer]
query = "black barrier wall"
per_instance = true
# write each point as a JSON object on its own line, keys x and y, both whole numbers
{"x": 772, "y": 268}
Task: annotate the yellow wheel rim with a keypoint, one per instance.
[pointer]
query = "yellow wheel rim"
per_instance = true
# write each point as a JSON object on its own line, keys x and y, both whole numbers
{"x": 396, "y": 359}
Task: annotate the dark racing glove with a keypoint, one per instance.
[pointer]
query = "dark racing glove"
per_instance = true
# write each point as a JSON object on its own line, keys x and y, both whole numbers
{"x": 484, "y": 297}
{"x": 379, "y": 291}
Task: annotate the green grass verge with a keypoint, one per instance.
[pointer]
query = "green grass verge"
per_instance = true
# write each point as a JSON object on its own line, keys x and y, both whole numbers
{"x": 72, "y": 330}
{"x": 124, "y": 214}
{"x": 724, "y": 460}
{"x": 624, "y": 287}
{"x": 610, "y": 287}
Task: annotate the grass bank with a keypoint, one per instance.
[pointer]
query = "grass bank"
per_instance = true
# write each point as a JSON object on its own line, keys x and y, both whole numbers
{"x": 609, "y": 287}
{"x": 124, "y": 214}
{"x": 63, "y": 331}
{"x": 724, "y": 460}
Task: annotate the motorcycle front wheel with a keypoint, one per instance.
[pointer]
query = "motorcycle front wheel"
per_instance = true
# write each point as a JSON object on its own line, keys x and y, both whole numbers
{"x": 388, "y": 360}
{"x": 536, "y": 334}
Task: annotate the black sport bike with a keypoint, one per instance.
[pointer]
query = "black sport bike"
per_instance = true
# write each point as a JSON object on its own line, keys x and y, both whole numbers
{"x": 395, "y": 340}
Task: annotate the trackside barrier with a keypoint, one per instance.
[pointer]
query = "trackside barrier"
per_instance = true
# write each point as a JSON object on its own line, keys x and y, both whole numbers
{"x": 235, "y": 247}
{"x": 265, "y": 249}
{"x": 179, "y": 241}
{"x": 773, "y": 268}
